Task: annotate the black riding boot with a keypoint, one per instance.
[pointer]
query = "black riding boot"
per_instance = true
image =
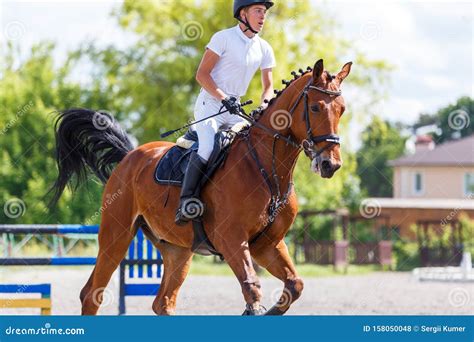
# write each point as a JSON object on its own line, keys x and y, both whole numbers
{"x": 191, "y": 207}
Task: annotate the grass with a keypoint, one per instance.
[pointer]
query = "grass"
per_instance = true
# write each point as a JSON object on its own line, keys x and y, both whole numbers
{"x": 309, "y": 270}
{"x": 207, "y": 266}
{"x": 201, "y": 266}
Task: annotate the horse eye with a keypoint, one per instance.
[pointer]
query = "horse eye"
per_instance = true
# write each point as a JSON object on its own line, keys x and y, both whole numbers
{"x": 315, "y": 108}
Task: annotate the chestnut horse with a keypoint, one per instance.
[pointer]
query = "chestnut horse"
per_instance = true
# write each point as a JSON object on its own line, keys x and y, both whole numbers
{"x": 304, "y": 116}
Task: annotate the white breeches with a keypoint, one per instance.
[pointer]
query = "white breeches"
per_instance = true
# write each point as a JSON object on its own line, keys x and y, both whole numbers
{"x": 205, "y": 106}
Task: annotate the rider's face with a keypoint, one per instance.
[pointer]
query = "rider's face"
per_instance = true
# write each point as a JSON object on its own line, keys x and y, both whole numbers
{"x": 255, "y": 15}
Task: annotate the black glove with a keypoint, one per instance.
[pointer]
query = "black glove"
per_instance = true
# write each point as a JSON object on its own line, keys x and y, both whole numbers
{"x": 231, "y": 104}
{"x": 257, "y": 112}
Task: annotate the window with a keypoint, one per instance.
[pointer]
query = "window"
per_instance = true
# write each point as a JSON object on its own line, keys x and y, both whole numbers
{"x": 418, "y": 184}
{"x": 469, "y": 184}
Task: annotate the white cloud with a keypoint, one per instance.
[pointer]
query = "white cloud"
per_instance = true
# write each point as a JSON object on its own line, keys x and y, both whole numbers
{"x": 389, "y": 31}
{"x": 429, "y": 42}
{"x": 66, "y": 23}
{"x": 439, "y": 82}
{"x": 403, "y": 109}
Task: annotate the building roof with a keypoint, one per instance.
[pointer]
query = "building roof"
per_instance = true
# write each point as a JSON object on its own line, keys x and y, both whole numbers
{"x": 423, "y": 139}
{"x": 422, "y": 203}
{"x": 452, "y": 153}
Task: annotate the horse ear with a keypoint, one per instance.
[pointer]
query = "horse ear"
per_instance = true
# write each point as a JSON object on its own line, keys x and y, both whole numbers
{"x": 318, "y": 69}
{"x": 346, "y": 69}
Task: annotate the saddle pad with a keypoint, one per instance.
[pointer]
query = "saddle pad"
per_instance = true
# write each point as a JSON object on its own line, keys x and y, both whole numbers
{"x": 171, "y": 168}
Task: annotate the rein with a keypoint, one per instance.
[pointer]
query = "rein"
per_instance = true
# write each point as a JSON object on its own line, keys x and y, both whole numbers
{"x": 277, "y": 200}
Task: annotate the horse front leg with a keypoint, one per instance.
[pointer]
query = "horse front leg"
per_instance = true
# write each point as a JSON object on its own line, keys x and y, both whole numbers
{"x": 238, "y": 258}
{"x": 276, "y": 259}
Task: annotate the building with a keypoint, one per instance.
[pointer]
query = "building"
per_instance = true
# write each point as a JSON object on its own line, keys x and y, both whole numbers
{"x": 444, "y": 171}
{"x": 432, "y": 186}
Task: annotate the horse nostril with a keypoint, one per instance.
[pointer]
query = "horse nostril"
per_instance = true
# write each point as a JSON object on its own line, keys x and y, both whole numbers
{"x": 326, "y": 165}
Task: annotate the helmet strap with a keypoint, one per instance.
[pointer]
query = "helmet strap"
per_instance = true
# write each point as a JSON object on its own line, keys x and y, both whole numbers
{"x": 247, "y": 24}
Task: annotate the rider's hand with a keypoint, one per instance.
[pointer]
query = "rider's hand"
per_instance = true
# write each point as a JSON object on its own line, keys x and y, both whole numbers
{"x": 231, "y": 104}
{"x": 257, "y": 112}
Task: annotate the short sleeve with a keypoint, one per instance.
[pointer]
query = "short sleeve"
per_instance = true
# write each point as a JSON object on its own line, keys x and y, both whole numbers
{"x": 217, "y": 43}
{"x": 268, "y": 60}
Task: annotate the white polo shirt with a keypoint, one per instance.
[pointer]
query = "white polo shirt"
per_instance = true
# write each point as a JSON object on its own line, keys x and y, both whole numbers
{"x": 240, "y": 57}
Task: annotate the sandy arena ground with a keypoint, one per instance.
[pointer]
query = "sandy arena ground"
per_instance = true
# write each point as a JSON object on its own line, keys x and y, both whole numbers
{"x": 381, "y": 293}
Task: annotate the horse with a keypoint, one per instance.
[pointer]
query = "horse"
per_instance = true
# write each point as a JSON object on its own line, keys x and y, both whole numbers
{"x": 304, "y": 116}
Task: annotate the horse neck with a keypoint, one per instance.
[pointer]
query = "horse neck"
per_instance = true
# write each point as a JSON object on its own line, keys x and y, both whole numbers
{"x": 286, "y": 154}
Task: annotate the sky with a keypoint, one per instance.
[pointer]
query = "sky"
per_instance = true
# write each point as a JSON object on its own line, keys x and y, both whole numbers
{"x": 430, "y": 43}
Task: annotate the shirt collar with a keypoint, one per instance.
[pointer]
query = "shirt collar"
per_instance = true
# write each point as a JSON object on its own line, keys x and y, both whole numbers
{"x": 243, "y": 36}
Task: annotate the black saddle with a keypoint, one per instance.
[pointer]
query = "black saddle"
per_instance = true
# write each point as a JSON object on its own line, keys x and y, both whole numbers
{"x": 172, "y": 167}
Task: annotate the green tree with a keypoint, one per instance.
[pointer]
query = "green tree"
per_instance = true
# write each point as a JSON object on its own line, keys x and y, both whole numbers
{"x": 31, "y": 90}
{"x": 381, "y": 142}
{"x": 454, "y": 120}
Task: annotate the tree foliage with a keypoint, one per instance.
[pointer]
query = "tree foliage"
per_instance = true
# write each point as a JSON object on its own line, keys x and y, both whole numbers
{"x": 454, "y": 121}
{"x": 381, "y": 142}
{"x": 30, "y": 93}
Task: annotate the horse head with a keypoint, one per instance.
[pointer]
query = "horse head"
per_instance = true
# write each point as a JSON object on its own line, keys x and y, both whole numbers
{"x": 315, "y": 107}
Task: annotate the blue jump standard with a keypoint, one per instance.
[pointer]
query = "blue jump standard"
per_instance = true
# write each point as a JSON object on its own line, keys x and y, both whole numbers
{"x": 135, "y": 258}
{"x": 141, "y": 289}
{"x": 44, "y": 289}
{"x": 46, "y": 261}
{"x": 68, "y": 261}
{"x": 49, "y": 229}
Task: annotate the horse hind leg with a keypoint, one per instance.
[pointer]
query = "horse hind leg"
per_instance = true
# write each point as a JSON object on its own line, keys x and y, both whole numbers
{"x": 177, "y": 261}
{"x": 116, "y": 232}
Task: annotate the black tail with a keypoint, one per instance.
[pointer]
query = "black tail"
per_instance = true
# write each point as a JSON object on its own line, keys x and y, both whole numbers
{"x": 87, "y": 141}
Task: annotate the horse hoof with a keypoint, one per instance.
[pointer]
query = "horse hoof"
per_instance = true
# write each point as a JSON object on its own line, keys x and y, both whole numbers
{"x": 275, "y": 311}
{"x": 251, "y": 311}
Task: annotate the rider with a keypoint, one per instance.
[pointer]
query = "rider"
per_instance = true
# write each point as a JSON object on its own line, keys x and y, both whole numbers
{"x": 229, "y": 63}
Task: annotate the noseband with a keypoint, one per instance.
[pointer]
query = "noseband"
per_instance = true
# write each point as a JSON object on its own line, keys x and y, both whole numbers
{"x": 311, "y": 140}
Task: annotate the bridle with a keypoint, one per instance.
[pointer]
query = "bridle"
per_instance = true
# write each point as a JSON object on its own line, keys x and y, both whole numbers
{"x": 311, "y": 140}
{"x": 307, "y": 145}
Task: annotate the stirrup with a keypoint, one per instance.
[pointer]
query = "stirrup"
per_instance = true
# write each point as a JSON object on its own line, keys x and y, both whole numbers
{"x": 189, "y": 209}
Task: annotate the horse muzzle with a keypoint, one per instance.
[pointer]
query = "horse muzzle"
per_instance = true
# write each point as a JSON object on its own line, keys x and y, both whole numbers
{"x": 324, "y": 166}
